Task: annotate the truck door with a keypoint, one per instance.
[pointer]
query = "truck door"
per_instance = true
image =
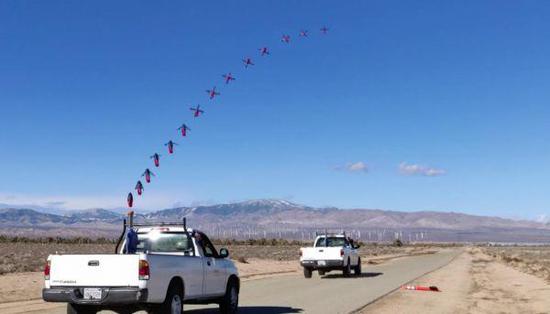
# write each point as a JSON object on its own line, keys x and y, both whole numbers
{"x": 214, "y": 269}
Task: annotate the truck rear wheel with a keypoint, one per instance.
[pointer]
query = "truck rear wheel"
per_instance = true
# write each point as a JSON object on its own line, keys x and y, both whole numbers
{"x": 347, "y": 269}
{"x": 307, "y": 272}
{"x": 321, "y": 272}
{"x": 357, "y": 268}
{"x": 173, "y": 303}
{"x": 230, "y": 301}
{"x": 81, "y": 309}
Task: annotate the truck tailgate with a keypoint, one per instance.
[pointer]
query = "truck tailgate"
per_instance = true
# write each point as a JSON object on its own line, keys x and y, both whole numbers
{"x": 105, "y": 270}
{"x": 321, "y": 253}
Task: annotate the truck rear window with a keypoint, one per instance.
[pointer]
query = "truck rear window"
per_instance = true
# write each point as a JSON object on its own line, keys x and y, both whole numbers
{"x": 168, "y": 242}
{"x": 331, "y": 242}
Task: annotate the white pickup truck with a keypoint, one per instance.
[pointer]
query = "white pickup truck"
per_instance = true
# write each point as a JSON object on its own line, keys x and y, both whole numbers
{"x": 172, "y": 265}
{"x": 331, "y": 252}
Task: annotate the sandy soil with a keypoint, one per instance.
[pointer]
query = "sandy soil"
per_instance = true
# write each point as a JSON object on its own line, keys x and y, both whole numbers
{"x": 473, "y": 283}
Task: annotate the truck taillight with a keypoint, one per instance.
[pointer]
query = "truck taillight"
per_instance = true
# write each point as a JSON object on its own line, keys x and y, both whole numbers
{"x": 341, "y": 252}
{"x": 143, "y": 270}
{"x": 47, "y": 270}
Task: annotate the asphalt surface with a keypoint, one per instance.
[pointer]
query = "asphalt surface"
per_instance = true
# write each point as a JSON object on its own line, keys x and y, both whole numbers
{"x": 329, "y": 294}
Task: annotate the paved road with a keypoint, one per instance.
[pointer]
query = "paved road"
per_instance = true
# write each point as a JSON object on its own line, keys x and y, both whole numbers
{"x": 294, "y": 294}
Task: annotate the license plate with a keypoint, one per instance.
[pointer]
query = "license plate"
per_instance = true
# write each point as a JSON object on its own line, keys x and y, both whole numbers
{"x": 321, "y": 263}
{"x": 92, "y": 293}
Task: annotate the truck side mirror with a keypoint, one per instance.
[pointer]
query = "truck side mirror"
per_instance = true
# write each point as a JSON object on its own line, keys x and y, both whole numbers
{"x": 224, "y": 253}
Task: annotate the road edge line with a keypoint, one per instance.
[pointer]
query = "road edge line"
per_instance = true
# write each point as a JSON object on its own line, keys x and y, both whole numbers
{"x": 357, "y": 310}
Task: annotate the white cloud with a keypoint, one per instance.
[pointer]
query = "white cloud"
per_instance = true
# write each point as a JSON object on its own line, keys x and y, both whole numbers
{"x": 419, "y": 170}
{"x": 153, "y": 200}
{"x": 357, "y": 167}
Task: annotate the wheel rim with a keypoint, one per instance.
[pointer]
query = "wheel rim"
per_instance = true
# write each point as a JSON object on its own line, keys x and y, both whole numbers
{"x": 234, "y": 298}
{"x": 175, "y": 307}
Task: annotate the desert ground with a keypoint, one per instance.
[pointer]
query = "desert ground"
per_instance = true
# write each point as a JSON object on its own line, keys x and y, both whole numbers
{"x": 472, "y": 280}
{"x": 480, "y": 280}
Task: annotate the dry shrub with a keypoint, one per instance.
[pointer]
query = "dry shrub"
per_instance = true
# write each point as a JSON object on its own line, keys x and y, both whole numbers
{"x": 242, "y": 259}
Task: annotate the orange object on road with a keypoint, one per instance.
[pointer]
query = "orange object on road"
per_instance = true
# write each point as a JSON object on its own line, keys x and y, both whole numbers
{"x": 421, "y": 288}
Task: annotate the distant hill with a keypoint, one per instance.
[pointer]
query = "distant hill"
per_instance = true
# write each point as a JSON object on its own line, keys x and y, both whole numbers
{"x": 280, "y": 218}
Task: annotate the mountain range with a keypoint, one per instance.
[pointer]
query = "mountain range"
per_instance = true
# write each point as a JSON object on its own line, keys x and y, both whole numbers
{"x": 280, "y": 218}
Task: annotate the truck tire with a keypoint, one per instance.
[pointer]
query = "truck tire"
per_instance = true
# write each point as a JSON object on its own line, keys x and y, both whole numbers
{"x": 307, "y": 272}
{"x": 347, "y": 269}
{"x": 81, "y": 309}
{"x": 173, "y": 303}
{"x": 357, "y": 268}
{"x": 230, "y": 301}
{"x": 321, "y": 272}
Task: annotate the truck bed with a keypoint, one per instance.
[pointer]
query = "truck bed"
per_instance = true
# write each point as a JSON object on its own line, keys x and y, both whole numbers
{"x": 93, "y": 270}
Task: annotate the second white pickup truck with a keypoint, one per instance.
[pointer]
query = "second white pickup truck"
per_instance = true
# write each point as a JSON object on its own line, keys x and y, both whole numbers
{"x": 172, "y": 265}
{"x": 331, "y": 252}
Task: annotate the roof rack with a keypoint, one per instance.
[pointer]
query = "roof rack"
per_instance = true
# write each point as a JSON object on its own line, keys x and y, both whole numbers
{"x": 326, "y": 232}
{"x": 161, "y": 223}
{"x": 129, "y": 223}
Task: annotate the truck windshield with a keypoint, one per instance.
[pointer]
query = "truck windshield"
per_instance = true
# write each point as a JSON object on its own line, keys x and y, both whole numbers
{"x": 167, "y": 242}
{"x": 331, "y": 242}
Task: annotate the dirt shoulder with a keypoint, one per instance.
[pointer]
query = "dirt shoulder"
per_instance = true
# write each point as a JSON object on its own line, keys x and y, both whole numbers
{"x": 473, "y": 283}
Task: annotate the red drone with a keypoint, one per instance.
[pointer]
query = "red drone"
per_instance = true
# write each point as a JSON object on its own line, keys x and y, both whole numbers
{"x": 303, "y": 33}
{"x": 130, "y": 200}
{"x": 147, "y": 174}
{"x": 212, "y": 92}
{"x": 285, "y": 39}
{"x": 197, "y": 111}
{"x": 228, "y": 78}
{"x": 170, "y": 146}
{"x": 264, "y": 51}
{"x": 184, "y": 128}
{"x": 139, "y": 188}
{"x": 247, "y": 62}
{"x": 156, "y": 159}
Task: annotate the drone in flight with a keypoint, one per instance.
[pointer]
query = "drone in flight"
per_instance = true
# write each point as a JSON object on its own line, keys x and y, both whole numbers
{"x": 170, "y": 146}
{"x": 212, "y": 92}
{"x": 285, "y": 39}
{"x": 247, "y": 62}
{"x": 156, "y": 159}
{"x": 264, "y": 51}
{"x": 228, "y": 77}
{"x": 303, "y": 33}
{"x": 147, "y": 174}
{"x": 324, "y": 30}
{"x": 139, "y": 188}
{"x": 197, "y": 111}
{"x": 130, "y": 200}
{"x": 184, "y": 128}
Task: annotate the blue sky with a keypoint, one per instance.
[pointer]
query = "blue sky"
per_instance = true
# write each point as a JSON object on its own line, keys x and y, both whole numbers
{"x": 404, "y": 105}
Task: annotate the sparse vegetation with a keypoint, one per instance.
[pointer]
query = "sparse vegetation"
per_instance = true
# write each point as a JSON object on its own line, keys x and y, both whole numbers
{"x": 242, "y": 259}
{"x": 533, "y": 260}
{"x": 57, "y": 240}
